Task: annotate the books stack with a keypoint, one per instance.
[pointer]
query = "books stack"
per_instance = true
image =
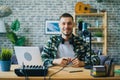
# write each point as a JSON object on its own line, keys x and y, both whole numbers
{"x": 117, "y": 72}
{"x": 98, "y": 71}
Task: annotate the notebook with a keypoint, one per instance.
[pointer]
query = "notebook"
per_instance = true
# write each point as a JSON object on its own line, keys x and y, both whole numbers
{"x": 28, "y": 55}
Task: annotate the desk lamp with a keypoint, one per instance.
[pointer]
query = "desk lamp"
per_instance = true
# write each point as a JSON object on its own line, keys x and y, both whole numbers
{"x": 4, "y": 11}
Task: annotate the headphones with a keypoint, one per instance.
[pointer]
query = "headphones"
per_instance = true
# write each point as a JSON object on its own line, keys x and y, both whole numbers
{"x": 70, "y": 39}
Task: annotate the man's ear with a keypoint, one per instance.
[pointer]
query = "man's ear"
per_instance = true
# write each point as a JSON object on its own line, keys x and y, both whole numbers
{"x": 74, "y": 28}
{"x": 74, "y": 24}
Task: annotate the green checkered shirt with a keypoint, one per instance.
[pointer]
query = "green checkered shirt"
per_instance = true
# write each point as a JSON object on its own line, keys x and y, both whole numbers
{"x": 80, "y": 48}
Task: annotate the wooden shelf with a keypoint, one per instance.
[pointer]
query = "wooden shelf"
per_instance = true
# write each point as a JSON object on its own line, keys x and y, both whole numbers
{"x": 102, "y": 28}
{"x": 96, "y": 42}
{"x": 95, "y": 28}
{"x": 89, "y": 14}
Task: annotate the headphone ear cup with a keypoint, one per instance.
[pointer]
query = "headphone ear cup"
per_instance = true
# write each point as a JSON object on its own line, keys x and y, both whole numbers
{"x": 62, "y": 41}
{"x": 71, "y": 41}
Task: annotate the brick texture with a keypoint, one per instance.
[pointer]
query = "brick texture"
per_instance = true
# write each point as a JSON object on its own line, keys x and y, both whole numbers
{"x": 33, "y": 15}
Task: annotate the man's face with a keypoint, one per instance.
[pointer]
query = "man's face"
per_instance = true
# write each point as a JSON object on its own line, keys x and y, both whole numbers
{"x": 66, "y": 25}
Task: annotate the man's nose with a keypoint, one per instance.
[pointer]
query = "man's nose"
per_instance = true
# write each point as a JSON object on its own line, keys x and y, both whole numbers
{"x": 66, "y": 25}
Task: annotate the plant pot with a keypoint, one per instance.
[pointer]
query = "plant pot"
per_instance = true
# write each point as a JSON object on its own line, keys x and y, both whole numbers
{"x": 5, "y": 65}
{"x": 99, "y": 39}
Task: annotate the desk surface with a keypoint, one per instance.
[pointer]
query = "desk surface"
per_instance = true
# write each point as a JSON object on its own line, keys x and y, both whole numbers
{"x": 62, "y": 75}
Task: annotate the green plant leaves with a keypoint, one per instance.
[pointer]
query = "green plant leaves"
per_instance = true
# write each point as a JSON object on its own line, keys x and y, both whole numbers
{"x": 6, "y": 54}
{"x": 17, "y": 40}
{"x": 15, "y": 25}
{"x": 20, "y": 41}
{"x": 12, "y": 37}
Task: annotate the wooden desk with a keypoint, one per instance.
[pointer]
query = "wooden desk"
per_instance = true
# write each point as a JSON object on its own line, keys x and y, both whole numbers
{"x": 62, "y": 75}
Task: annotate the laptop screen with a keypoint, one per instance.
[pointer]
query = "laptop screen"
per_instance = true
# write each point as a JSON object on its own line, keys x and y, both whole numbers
{"x": 28, "y": 55}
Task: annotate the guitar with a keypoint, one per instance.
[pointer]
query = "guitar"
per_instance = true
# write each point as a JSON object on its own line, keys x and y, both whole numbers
{"x": 82, "y": 8}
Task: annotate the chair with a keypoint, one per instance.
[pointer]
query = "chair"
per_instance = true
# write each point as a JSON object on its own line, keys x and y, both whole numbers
{"x": 108, "y": 63}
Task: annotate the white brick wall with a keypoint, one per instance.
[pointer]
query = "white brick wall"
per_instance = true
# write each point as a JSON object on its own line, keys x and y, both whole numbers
{"x": 33, "y": 14}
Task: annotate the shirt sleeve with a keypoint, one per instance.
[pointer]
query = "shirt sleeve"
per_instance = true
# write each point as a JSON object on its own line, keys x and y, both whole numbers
{"x": 49, "y": 53}
{"x": 91, "y": 58}
{"x": 84, "y": 53}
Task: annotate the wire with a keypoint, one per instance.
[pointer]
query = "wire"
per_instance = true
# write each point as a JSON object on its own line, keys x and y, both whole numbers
{"x": 61, "y": 68}
{"x": 44, "y": 67}
{"x": 56, "y": 72}
{"x": 24, "y": 72}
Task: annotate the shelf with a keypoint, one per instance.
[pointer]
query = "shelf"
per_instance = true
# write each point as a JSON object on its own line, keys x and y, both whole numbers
{"x": 93, "y": 29}
{"x": 89, "y": 14}
{"x": 96, "y": 42}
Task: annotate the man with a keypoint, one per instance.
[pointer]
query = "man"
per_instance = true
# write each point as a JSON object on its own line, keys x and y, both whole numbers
{"x": 67, "y": 48}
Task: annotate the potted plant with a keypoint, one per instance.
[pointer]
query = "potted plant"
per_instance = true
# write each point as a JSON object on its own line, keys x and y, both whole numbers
{"x": 80, "y": 23}
{"x": 99, "y": 0}
{"x": 98, "y": 36}
{"x": 5, "y": 59}
{"x": 17, "y": 40}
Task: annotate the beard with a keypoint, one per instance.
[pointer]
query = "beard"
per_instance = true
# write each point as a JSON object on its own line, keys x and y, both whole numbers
{"x": 67, "y": 34}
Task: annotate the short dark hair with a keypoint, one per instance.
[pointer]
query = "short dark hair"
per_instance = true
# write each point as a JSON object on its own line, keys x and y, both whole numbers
{"x": 66, "y": 15}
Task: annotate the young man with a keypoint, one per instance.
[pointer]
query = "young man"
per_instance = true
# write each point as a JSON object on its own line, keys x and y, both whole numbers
{"x": 67, "y": 48}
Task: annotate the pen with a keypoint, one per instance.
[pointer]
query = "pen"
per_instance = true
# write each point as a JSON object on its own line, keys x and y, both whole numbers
{"x": 76, "y": 71}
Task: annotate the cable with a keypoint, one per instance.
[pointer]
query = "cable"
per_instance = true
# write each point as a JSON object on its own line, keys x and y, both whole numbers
{"x": 61, "y": 69}
{"x": 44, "y": 67}
{"x": 56, "y": 72}
{"x": 24, "y": 72}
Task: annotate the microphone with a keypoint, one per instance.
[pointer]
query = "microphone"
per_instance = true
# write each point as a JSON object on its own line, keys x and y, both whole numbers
{"x": 80, "y": 24}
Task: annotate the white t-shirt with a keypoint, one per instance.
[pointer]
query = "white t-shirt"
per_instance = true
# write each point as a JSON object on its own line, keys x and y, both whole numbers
{"x": 65, "y": 50}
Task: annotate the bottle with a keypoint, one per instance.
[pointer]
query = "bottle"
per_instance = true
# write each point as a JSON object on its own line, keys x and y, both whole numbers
{"x": 97, "y": 23}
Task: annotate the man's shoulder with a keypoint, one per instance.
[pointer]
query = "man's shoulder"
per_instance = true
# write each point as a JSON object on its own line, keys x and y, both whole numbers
{"x": 55, "y": 36}
{"x": 77, "y": 37}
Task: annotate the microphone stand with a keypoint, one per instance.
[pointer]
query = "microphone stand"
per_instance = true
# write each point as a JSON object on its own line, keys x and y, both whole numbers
{"x": 86, "y": 33}
{"x": 90, "y": 65}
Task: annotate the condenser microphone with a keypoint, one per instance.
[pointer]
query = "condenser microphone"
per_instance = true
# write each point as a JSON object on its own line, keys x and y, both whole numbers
{"x": 80, "y": 24}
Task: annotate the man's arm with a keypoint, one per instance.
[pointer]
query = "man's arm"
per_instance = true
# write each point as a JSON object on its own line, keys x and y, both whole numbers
{"x": 50, "y": 51}
{"x": 92, "y": 59}
{"x": 82, "y": 49}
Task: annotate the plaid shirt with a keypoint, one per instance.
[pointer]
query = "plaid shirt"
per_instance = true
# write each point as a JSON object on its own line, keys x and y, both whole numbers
{"x": 80, "y": 48}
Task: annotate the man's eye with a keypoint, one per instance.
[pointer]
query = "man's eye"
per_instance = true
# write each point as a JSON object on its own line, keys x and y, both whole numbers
{"x": 63, "y": 23}
{"x": 69, "y": 23}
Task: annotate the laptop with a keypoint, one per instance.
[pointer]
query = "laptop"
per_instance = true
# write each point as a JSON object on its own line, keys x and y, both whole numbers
{"x": 28, "y": 55}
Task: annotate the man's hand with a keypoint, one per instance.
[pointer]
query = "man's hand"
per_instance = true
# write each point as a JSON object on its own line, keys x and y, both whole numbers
{"x": 62, "y": 61}
{"x": 65, "y": 61}
{"x": 77, "y": 63}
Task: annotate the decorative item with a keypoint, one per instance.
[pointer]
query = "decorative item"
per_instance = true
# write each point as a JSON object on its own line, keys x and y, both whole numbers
{"x": 2, "y": 26}
{"x": 52, "y": 27}
{"x": 80, "y": 7}
{"x": 17, "y": 40}
{"x": 5, "y": 58}
{"x": 97, "y": 23}
{"x": 5, "y": 11}
{"x": 98, "y": 36}
{"x": 99, "y": 0}
{"x": 80, "y": 23}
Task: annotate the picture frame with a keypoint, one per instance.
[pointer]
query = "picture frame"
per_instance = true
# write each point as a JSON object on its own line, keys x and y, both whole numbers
{"x": 52, "y": 27}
